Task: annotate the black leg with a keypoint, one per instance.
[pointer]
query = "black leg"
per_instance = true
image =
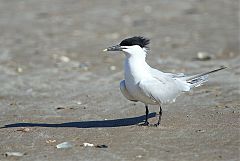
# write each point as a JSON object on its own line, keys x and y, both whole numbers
{"x": 147, "y": 112}
{"x": 160, "y": 115}
{"x": 146, "y": 123}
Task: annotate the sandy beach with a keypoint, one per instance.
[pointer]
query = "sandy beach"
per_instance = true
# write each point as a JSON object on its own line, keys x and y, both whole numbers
{"x": 58, "y": 86}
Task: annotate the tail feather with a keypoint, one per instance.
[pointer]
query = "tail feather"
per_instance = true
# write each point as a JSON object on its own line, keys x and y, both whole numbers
{"x": 198, "y": 79}
{"x": 196, "y": 82}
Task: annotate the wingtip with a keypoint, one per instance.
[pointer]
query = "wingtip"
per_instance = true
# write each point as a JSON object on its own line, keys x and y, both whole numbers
{"x": 223, "y": 67}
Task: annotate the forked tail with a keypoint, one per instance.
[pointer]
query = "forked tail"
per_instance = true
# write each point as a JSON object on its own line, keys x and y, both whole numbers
{"x": 199, "y": 79}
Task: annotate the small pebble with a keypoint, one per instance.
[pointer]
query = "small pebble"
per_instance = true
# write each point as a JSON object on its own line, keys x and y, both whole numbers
{"x": 64, "y": 59}
{"x": 139, "y": 156}
{"x": 19, "y": 70}
{"x": 13, "y": 103}
{"x": 203, "y": 56}
{"x": 79, "y": 103}
{"x": 101, "y": 146}
{"x": 88, "y": 144}
{"x": 17, "y": 154}
{"x": 50, "y": 141}
{"x": 60, "y": 108}
{"x": 64, "y": 145}
{"x": 202, "y": 131}
{"x": 25, "y": 129}
{"x": 113, "y": 67}
{"x": 83, "y": 66}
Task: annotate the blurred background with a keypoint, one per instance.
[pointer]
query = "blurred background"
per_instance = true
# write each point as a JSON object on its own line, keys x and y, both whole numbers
{"x": 32, "y": 32}
{"x": 52, "y": 70}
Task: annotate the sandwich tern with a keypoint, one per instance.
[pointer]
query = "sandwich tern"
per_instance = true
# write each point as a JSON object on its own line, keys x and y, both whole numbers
{"x": 148, "y": 85}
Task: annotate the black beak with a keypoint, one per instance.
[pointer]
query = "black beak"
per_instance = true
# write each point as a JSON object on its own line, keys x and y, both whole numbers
{"x": 114, "y": 48}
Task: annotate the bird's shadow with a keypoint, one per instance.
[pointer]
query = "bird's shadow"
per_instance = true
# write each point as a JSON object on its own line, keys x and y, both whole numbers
{"x": 88, "y": 124}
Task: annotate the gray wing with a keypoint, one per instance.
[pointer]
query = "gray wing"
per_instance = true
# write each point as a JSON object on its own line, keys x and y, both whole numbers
{"x": 188, "y": 81}
{"x": 160, "y": 91}
{"x": 164, "y": 87}
{"x": 177, "y": 79}
{"x": 156, "y": 72}
{"x": 125, "y": 91}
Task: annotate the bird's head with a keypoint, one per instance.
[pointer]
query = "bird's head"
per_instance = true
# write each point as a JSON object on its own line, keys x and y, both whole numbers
{"x": 136, "y": 45}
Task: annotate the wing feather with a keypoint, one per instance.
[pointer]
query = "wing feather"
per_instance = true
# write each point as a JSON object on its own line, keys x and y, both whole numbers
{"x": 164, "y": 87}
{"x": 159, "y": 90}
{"x": 125, "y": 92}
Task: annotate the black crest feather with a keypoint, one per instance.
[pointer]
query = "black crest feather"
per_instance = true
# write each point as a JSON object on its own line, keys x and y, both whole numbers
{"x": 136, "y": 40}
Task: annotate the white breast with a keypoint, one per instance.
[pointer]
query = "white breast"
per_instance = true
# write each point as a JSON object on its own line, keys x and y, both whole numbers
{"x": 136, "y": 70}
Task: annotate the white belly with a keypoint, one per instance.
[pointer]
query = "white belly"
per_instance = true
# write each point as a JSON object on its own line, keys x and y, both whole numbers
{"x": 133, "y": 76}
{"x": 136, "y": 92}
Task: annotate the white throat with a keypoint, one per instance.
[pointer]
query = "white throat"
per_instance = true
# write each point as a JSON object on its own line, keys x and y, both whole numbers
{"x": 135, "y": 51}
{"x": 135, "y": 67}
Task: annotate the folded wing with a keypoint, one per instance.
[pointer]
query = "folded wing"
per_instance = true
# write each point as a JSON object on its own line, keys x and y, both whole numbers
{"x": 163, "y": 89}
{"x": 125, "y": 91}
